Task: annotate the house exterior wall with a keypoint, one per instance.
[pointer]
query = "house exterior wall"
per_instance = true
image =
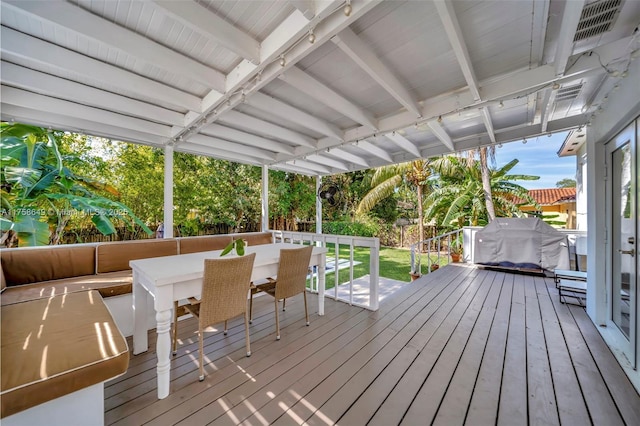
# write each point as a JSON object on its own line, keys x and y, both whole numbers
{"x": 581, "y": 189}
{"x": 566, "y": 212}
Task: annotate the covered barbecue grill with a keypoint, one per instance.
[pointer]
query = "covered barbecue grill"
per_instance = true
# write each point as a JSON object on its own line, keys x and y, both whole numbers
{"x": 521, "y": 243}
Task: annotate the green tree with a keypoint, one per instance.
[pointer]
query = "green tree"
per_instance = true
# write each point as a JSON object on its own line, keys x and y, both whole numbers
{"x": 291, "y": 197}
{"x": 388, "y": 179}
{"x": 566, "y": 183}
{"x": 459, "y": 197}
{"x": 40, "y": 193}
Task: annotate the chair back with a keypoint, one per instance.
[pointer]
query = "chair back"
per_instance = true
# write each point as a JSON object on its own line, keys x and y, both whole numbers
{"x": 292, "y": 271}
{"x": 225, "y": 288}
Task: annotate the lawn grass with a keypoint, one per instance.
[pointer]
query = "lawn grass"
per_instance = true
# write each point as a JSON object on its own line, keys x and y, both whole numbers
{"x": 395, "y": 263}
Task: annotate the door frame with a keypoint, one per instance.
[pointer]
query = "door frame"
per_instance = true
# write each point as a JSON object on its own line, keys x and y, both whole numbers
{"x": 628, "y": 347}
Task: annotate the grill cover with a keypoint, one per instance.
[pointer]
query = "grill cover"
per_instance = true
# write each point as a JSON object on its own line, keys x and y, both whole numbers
{"x": 521, "y": 243}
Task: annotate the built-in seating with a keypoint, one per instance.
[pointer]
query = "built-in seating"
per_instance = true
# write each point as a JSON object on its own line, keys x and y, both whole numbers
{"x": 55, "y": 346}
{"x": 205, "y": 243}
{"x": 60, "y": 290}
{"x": 37, "y": 272}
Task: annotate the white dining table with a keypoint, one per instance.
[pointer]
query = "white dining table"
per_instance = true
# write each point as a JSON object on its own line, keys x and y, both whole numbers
{"x": 170, "y": 278}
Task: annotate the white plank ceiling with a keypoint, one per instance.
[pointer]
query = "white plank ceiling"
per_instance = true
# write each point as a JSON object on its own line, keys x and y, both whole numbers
{"x": 382, "y": 82}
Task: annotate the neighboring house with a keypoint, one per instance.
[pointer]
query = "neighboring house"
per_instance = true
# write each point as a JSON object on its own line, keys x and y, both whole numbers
{"x": 555, "y": 201}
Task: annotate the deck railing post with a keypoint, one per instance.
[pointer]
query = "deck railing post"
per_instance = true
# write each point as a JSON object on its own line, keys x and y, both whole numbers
{"x": 374, "y": 276}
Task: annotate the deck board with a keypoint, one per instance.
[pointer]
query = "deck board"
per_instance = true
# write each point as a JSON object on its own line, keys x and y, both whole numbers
{"x": 458, "y": 346}
{"x": 572, "y": 409}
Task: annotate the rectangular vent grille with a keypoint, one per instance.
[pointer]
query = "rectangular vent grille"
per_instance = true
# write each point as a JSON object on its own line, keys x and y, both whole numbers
{"x": 568, "y": 93}
{"x": 597, "y": 18}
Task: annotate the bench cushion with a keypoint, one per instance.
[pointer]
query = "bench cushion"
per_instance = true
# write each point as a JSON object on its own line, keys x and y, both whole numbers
{"x": 115, "y": 256}
{"x": 255, "y": 238}
{"x": 55, "y": 346}
{"x": 110, "y": 284}
{"x": 35, "y": 264}
{"x": 205, "y": 243}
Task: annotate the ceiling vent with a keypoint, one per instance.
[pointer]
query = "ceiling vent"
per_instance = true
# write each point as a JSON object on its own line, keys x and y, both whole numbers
{"x": 568, "y": 92}
{"x": 597, "y": 17}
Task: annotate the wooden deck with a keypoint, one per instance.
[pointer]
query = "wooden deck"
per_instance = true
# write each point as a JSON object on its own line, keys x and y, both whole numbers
{"x": 458, "y": 346}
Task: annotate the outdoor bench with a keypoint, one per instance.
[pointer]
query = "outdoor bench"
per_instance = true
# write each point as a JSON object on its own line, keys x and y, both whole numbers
{"x": 56, "y": 354}
{"x": 31, "y": 273}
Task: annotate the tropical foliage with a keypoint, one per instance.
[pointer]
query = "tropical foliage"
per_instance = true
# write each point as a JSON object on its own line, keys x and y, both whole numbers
{"x": 40, "y": 193}
{"x": 82, "y": 183}
{"x": 387, "y": 180}
{"x": 458, "y": 198}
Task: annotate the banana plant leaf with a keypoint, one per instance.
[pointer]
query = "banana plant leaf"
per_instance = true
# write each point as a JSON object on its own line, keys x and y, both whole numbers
{"x": 24, "y": 176}
{"x": 31, "y": 231}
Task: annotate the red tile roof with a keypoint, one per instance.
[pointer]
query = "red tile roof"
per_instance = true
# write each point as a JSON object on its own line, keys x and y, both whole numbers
{"x": 550, "y": 196}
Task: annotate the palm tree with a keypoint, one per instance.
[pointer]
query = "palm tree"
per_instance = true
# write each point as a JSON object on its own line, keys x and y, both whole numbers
{"x": 387, "y": 179}
{"x": 460, "y": 196}
{"x": 486, "y": 180}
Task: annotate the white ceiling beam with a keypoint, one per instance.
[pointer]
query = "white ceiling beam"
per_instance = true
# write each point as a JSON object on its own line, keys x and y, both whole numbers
{"x": 404, "y": 143}
{"x": 197, "y": 149}
{"x": 309, "y": 165}
{"x": 23, "y": 46}
{"x": 514, "y": 85}
{"x": 374, "y": 150}
{"x": 204, "y": 21}
{"x": 504, "y": 136}
{"x": 38, "y": 117}
{"x": 49, "y": 85}
{"x": 488, "y": 123}
{"x": 441, "y": 134}
{"x": 327, "y": 162}
{"x": 85, "y": 23}
{"x": 285, "y": 38}
{"x": 306, "y": 7}
{"x": 454, "y": 33}
{"x": 324, "y": 94}
{"x": 232, "y": 134}
{"x": 264, "y": 127}
{"x": 289, "y": 168}
{"x": 230, "y": 146}
{"x": 568, "y": 27}
{"x": 341, "y": 153}
{"x": 539, "y": 23}
{"x": 32, "y": 100}
{"x": 286, "y": 111}
{"x": 362, "y": 54}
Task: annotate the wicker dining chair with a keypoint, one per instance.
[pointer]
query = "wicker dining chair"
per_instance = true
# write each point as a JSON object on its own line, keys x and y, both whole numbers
{"x": 290, "y": 281}
{"x": 225, "y": 287}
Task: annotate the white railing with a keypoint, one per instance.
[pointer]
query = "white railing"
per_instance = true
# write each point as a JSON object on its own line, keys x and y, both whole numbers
{"x": 342, "y": 291}
{"x": 440, "y": 247}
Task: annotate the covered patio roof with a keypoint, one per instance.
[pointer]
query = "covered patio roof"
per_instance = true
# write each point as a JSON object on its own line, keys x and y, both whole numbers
{"x": 314, "y": 87}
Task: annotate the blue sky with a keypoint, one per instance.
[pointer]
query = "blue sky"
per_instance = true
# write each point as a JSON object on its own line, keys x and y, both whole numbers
{"x": 538, "y": 157}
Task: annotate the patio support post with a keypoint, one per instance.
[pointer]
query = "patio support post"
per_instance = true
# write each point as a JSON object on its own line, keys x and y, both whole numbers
{"x": 318, "y": 206}
{"x": 168, "y": 191}
{"x": 265, "y": 198}
{"x": 596, "y": 240}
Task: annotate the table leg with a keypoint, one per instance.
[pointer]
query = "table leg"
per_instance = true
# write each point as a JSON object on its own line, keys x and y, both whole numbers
{"x": 321, "y": 283}
{"x": 163, "y": 351}
{"x": 140, "y": 294}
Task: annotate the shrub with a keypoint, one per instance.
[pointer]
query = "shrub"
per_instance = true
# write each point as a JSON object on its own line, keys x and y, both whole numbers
{"x": 357, "y": 229}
